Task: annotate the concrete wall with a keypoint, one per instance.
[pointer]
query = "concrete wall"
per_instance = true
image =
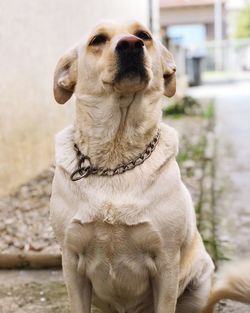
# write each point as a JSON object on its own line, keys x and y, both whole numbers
{"x": 197, "y": 14}
{"x": 186, "y": 15}
{"x": 33, "y": 34}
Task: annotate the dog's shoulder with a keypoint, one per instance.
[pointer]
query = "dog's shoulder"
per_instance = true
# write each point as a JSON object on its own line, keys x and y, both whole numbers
{"x": 65, "y": 156}
{"x": 170, "y": 138}
{"x": 169, "y": 141}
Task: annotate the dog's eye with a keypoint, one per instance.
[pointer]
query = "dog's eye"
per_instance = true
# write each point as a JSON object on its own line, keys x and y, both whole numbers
{"x": 143, "y": 35}
{"x": 98, "y": 40}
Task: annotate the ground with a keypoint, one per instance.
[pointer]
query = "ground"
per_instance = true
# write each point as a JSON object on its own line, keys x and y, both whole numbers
{"x": 232, "y": 175}
{"x": 32, "y": 292}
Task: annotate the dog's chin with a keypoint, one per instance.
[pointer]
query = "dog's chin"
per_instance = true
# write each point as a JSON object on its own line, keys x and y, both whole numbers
{"x": 131, "y": 83}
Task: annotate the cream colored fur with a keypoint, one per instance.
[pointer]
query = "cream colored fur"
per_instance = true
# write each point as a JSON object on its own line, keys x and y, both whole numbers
{"x": 129, "y": 242}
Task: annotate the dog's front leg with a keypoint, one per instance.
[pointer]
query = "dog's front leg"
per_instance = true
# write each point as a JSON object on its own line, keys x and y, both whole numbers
{"x": 78, "y": 285}
{"x": 165, "y": 284}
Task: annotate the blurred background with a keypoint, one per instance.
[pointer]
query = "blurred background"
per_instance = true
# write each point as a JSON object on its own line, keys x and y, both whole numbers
{"x": 33, "y": 36}
{"x": 210, "y": 41}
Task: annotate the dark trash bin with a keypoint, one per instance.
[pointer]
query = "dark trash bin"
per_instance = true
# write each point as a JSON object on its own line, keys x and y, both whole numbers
{"x": 193, "y": 66}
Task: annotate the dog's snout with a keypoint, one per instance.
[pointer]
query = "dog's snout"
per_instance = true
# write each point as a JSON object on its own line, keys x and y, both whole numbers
{"x": 129, "y": 43}
{"x": 131, "y": 61}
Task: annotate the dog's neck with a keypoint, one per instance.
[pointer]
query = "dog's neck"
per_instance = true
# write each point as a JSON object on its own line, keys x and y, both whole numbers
{"x": 116, "y": 129}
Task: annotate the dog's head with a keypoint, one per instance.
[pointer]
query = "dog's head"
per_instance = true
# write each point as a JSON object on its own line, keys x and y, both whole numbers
{"x": 123, "y": 59}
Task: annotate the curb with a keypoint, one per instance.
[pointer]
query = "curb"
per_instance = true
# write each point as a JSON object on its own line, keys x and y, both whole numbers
{"x": 30, "y": 261}
{"x": 206, "y": 203}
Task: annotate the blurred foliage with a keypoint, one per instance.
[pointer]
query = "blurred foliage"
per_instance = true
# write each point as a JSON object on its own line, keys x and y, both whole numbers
{"x": 243, "y": 23}
{"x": 184, "y": 106}
{"x": 209, "y": 111}
{"x": 194, "y": 152}
{"x": 188, "y": 106}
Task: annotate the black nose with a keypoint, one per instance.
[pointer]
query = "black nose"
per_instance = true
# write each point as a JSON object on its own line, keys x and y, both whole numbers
{"x": 129, "y": 43}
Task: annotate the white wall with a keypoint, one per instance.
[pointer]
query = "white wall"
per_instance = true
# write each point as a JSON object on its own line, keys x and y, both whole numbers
{"x": 33, "y": 34}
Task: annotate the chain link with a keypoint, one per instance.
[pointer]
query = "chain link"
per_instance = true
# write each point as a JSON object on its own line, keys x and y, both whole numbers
{"x": 87, "y": 169}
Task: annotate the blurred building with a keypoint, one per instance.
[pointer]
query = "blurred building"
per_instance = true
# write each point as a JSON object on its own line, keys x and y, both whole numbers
{"x": 237, "y": 51}
{"x": 205, "y": 30}
{"x": 190, "y": 16}
{"x": 233, "y": 8}
{"x": 34, "y": 34}
{"x": 186, "y": 25}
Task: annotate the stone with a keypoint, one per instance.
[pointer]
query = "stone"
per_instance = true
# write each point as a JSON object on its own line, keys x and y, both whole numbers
{"x": 188, "y": 164}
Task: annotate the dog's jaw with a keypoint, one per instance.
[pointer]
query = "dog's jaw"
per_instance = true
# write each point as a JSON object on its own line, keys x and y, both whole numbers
{"x": 130, "y": 85}
{"x": 125, "y": 83}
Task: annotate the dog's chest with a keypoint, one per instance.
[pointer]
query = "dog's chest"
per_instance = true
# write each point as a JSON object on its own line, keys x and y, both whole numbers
{"x": 118, "y": 259}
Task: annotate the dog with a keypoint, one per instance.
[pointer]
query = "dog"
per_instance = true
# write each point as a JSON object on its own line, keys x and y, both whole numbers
{"x": 119, "y": 209}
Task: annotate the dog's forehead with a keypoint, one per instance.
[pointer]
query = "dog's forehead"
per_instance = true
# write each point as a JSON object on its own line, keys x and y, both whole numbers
{"x": 112, "y": 28}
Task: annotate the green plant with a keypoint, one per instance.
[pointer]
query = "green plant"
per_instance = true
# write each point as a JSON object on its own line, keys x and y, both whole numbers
{"x": 209, "y": 111}
{"x": 243, "y": 23}
{"x": 184, "y": 106}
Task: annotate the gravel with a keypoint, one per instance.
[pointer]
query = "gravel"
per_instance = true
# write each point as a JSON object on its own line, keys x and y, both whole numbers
{"x": 24, "y": 218}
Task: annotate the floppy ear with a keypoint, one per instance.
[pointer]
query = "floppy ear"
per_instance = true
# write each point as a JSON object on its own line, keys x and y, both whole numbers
{"x": 65, "y": 76}
{"x": 169, "y": 69}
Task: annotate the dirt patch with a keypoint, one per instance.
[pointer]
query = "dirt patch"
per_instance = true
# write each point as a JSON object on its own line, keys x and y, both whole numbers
{"x": 34, "y": 291}
{"x": 34, "y": 298}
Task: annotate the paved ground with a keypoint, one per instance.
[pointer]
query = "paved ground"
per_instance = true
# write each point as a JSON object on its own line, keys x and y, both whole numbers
{"x": 232, "y": 181}
{"x": 32, "y": 291}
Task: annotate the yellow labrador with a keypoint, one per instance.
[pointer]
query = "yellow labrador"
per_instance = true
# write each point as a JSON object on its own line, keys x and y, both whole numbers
{"x": 119, "y": 209}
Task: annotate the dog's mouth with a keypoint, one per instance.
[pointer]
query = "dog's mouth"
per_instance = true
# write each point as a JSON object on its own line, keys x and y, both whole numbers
{"x": 131, "y": 72}
{"x": 131, "y": 77}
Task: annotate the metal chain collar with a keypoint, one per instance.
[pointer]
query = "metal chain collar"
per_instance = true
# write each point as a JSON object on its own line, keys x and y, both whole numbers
{"x": 85, "y": 167}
